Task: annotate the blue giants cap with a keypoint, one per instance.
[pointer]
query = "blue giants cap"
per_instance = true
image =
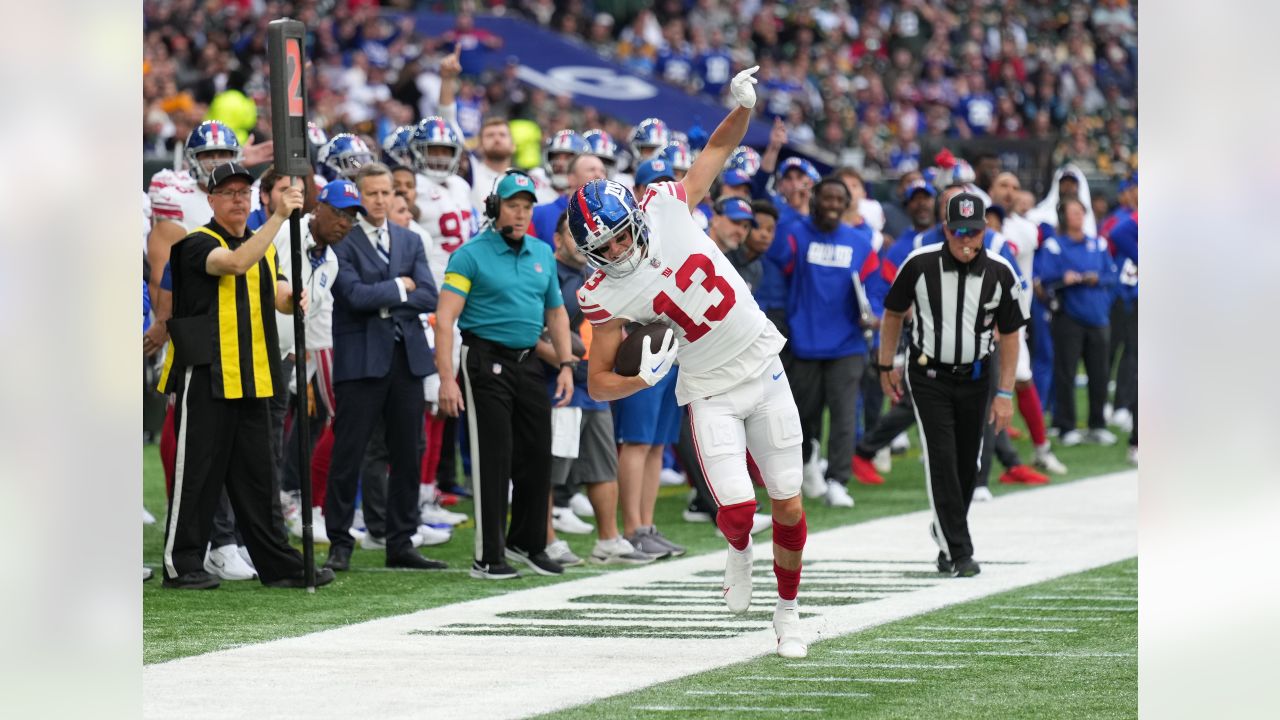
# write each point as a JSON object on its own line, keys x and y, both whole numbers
{"x": 342, "y": 194}
{"x": 734, "y": 177}
{"x": 736, "y": 208}
{"x": 653, "y": 170}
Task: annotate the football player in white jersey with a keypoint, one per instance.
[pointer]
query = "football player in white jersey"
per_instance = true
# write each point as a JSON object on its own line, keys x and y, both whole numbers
{"x": 655, "y": 266}
{"x": 444, "y": 199}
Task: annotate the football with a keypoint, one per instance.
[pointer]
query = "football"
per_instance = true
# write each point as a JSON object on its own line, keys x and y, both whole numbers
{"x": 628, "y": 360}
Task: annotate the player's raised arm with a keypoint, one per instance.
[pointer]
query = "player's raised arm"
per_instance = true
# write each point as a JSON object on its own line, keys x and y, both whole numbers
{"x": 727, "y": 136}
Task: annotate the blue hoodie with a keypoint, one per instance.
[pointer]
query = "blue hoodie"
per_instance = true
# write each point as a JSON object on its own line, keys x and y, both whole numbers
{"x": 1087, "y": 305}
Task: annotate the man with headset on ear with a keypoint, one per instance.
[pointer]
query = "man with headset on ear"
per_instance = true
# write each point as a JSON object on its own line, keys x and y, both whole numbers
{"x": 501, "y": 288}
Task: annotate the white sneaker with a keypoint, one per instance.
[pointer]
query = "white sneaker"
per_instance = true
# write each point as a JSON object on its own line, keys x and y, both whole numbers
{"x": 148, "y": 518}
{"x": 226, "y": 563}
{"x": 430, "y": 513}
{"x": 982, "y": 493}
{"x": 617, "y": 551}
{"x": 786, "y": 624}
{"x": 563, "y": 520}
{"x": 883, "y": 461}
{"x": 901, "y": 443}
{"x": 822, "y": 466}
{"x": 1132, "y": 454}
{"x": 428, "y": 535}
{"x": 814, "y": 484}
{"x": 563, "y": 554}
{"x": 369, "y": 541}
{"x": 670, "y": 478}
{"x": 737, "y": 580}
{"x": 1046, "y": 460}
{"x": 319, "y": 533}
{"x": 147, "y": 573}
{"x": 761, "y": 522}
{"x": 1122, "y": 420}
{"x": 581, "y": 506}
{"x": 1072, "y": 438}
{"x": 244, "y": 555}
{"x": 1101, "y": 436}
{"x": 695, "y": 516}
{"x": 838, "y": 496}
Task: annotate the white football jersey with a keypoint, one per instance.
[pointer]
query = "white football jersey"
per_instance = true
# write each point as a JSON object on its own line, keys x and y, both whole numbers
{"x": 445, "y": 211}
{"x": 688, "y": 284}
{"x": 176, "y": 196}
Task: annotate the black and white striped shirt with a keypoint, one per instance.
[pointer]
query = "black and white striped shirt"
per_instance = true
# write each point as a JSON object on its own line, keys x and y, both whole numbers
{"x": 956, "y": 305}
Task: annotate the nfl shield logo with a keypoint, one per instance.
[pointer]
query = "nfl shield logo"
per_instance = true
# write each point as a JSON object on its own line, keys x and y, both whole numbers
{"x": 966, "y": 208}
{"x": 655, "y": 262}
{"x": 522, "y": 180}
{"x": 537, "y": 267}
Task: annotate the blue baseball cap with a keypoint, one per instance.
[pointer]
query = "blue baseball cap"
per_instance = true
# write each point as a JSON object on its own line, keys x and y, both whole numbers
{"x": 342, "y": 194}
{"x": 799, "y": 163}
{"x": 734, "y": 177}
{"x": 1129, "y": 182}
{"x": 514, "y": 183}
{"x": 915, "y": 187}
{"x": 735, "y": 208}
{"x": 653, "y": 170}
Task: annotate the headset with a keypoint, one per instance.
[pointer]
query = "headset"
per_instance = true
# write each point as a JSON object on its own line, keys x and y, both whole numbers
{"x": 493, "y": 203}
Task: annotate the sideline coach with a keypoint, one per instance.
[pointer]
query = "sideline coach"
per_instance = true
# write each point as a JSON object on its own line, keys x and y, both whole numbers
{"x": 502, "y": 287}
{"x": 961, "y": 294}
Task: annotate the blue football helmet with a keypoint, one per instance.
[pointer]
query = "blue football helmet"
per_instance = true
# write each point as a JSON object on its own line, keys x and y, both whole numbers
{"x": 598, "y": 212}
{"x": 679, "y": 155}
{"x": 395, "y": 147}
{"x": 648, "y": 137}
{"x": 744, "y": 159}
{"x": 565, "y": 142}
{"x": 209, "y": 136}
{"x": 601, "y": 144}
{"x": 435, "y": 132}
{"x": 343, "y": 156}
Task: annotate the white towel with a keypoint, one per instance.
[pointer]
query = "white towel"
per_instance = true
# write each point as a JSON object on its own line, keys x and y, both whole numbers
{"x": 566, "y": 423}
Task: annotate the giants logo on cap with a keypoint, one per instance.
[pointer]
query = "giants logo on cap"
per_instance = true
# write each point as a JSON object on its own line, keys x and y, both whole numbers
{"x": 966, "y": 208}
{"x": 349, "y": 190}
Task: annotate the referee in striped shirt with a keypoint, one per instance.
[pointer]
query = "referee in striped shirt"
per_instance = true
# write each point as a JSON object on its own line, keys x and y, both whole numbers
{"x": 961, "y": 294}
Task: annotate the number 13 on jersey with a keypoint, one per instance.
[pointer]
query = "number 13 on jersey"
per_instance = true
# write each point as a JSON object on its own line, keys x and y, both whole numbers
{"x": 663, "y": 304}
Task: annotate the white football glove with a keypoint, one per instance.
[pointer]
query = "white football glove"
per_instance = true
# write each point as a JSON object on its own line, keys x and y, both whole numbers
{"x": 655, "y": 365}
{"x": 741, "y": 87}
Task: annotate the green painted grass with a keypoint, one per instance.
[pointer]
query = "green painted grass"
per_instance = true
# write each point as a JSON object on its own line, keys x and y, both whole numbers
{"x": 906, "y": 669}
{"x": 182, "y": 623}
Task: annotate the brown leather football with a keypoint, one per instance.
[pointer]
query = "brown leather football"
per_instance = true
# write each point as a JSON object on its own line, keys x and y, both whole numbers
{"x": 628, "y": 360}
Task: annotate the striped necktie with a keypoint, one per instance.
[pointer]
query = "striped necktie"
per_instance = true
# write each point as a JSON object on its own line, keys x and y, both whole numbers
{"x": 384, "y": 248}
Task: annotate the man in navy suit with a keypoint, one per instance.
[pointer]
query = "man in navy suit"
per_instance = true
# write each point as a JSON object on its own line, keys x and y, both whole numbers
{"x": 380, "y": 356}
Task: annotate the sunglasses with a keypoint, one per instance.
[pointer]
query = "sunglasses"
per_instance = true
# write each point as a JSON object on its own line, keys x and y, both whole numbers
{"x": 965, "y": 232}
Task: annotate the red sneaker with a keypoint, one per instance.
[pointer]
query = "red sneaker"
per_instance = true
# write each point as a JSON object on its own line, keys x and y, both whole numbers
{"x": 1010, "y": 477}
{"x": 448, "y": 499}
{"x": 1014, "y": 433}
{"x": 865, "y": 472}
{"x": 1029, "y": 476}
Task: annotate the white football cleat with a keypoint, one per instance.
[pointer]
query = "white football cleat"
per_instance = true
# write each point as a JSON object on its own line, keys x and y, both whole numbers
{"x": 882, "y": 461}
{"x": 226, "y": 563}
{"x": 430, "y": 513}
{"x": 982, "y": 493}
{"x": 670, "y": 478}
{"x": 581, "y": 506}
{"x": 565, "y": 521}
{"x": 838, "y": 496}
{"x": 786, "y": 624}
{"x": 737, "y": 580}
{"x": 1046, "y": 460}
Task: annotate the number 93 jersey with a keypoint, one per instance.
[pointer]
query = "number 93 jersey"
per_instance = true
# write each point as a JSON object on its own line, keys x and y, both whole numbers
{"x": 688, "y": 284}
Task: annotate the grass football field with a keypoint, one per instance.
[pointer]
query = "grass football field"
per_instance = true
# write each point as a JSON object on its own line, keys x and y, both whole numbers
{"x": 179, "y": 624}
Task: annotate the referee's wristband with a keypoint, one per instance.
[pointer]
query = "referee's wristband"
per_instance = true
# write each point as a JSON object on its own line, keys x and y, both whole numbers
{"x": 1007, "y": 395}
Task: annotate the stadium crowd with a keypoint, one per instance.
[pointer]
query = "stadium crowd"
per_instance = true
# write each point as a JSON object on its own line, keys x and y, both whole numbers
{"x": 407, "y": 132}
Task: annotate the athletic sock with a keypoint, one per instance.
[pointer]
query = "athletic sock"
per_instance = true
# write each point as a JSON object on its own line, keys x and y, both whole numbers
{"x": 788, "y": 582}
{"x": 1032, "y": 412}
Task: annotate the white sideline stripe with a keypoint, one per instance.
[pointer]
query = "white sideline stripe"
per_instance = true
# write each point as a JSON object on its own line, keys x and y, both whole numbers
{"x": 952, "y": 640}
{"x": 179, "y": 472}
{"x": 943, "y": 628}
{"x": 878, "y": 666}
{"x": 1086, "y": 598}
{"x": 723, "y": 707}
{"x": 990, "y": 653}
{"x": 782, "y": 693}
{"x": 1026, "y": 538}
{"x": 1067, "y": 608}
{"x": 1036, "y": 618}
{"x": 473, "y": 441}
{"x": 788, "y": 678}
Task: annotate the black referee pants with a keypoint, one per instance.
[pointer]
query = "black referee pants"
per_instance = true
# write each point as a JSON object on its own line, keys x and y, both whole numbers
{"x": 509, "y": 429}
{"x": 951, "y": 413}
{"x": 223, "y": 443}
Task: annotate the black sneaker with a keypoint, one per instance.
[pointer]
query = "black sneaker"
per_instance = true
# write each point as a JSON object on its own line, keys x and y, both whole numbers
{"x": 540, "y": 562}
{"x": 194, "y": 580}
{"x": 966, "y": 568}
{"x": 944, "y": 565}
{"x": 324, "y": 576}
{"x": 493, "y": 571}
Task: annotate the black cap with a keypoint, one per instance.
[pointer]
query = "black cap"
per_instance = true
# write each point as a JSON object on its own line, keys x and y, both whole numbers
{"x": 225, "y": 172}
{"x": 966, "y": 210}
